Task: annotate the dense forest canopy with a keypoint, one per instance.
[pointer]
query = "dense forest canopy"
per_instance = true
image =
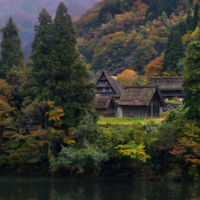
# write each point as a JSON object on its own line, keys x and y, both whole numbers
{"x": 135, "y": 32}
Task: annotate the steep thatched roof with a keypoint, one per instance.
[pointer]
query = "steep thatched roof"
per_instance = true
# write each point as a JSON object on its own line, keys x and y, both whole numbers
{"x": 112, "y": 80}
{"x": 139, "y": 95}
{"x": 104, "y": 102}
{"x": 167, "y": 83}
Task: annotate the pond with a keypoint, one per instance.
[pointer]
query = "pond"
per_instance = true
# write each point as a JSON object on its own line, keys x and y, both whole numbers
{"x": 94, "y": 189}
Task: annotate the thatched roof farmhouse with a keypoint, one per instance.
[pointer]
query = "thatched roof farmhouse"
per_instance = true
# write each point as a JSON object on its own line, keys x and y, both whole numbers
{"x": 107, "y": 85}
{"x": 140, "y": 101}
{"x": 169, "y": 86}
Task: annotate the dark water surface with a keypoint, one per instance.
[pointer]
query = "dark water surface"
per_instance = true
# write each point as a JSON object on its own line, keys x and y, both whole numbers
{"x": 94, "y": 189}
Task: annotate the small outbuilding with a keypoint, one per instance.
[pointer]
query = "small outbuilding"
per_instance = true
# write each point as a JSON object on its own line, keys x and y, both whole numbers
{"x": 140, "y": 101}
{"x": 105, "y": 106}
{"x": 107, "y": 85}
{"x": 170, "y": 87}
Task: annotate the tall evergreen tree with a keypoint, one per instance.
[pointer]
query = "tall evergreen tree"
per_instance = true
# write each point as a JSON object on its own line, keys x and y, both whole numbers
{"x": 174, "y": 51}
{"x": 41, "y": 48}
{"x": 189, "y": 20}
{"x": 191, "y": 80}
{"x": 10, "y": 48}
{"x": 69, "y": 78}
{"x": 177, "y": 51}
{"x": 168, "y": 49}
{"x": 182, "y": 25}
{"x": 195, "y": 16}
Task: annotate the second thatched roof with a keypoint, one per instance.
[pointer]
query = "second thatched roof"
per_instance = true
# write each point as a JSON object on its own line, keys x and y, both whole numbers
{"x": 139, "y": 95}
{"x": 168, "y": 83}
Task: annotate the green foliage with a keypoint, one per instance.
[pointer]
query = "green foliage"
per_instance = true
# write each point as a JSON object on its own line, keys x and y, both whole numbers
{"x": 195, "y": 16}
{"x": 86, "y": 133}
{"x": 114, "y": 136}
{"x": 10, "y": 48}
{"x": 133, "y": 150}
{"x": 85, "y": 153}
{"x": 79, "y": 159}
{"x": 191, "y": 84}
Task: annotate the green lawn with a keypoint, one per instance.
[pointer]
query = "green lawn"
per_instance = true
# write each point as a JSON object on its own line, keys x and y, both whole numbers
{"x": 128, "y": 120}
{"x": 173, "y": 102}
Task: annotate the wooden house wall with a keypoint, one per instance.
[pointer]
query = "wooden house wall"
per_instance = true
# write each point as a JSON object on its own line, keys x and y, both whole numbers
{"x": 106, "y": 113}
{"x": 135, "y": 111}
{"x": 152, "y": 110}
{"x": 141, "y": 111}
{"x": 171, "y": 94}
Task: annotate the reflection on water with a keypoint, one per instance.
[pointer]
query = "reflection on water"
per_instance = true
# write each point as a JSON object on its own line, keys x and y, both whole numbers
{"x": 94, "y": 189}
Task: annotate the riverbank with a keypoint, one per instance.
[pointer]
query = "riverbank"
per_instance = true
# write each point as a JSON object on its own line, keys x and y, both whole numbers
{"x": 143, "y": 150}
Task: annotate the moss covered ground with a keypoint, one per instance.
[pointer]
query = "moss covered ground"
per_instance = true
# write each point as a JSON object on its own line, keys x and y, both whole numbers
{"x": 174, "y": 102}
{"x": 129, "y": 120}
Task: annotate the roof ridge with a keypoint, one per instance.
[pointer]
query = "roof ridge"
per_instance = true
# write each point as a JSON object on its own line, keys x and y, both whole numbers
{"x": 141, "y": 86}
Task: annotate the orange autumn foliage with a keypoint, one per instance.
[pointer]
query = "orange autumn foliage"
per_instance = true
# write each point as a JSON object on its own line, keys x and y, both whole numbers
{"x": 187, "y": 147}
{"x": 126, "y": 77}
{"x": 55, "y": 114}
{"x": 154, "y": 68}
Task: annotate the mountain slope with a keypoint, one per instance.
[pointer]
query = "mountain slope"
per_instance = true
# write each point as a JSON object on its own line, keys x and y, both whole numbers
{"x": 120, "y": 34}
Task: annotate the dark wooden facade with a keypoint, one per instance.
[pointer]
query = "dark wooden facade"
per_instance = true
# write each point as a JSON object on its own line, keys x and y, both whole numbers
{"x": 170, "y": 87}
{"x": 140, "y": 101}
{"x": 107, "y": 85}
{"x": 105, "y": 107}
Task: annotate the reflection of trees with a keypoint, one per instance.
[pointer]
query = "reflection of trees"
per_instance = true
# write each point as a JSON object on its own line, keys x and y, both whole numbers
{"x": 92, "y": 189}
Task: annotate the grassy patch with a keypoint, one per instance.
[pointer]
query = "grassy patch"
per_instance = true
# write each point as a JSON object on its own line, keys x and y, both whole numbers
{"x": 173, "y": 102}
{"x": 128, "y": 120}
{"x": 164, "y": 114}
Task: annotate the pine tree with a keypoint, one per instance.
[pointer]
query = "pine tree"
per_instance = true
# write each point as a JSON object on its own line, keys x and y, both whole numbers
{"x": 41, "y": 48}
{"x": 69, "y": 78}
{"x": 182, "y": 25}
{"x": 10, "y": 48}
{"x": 174, "y": 50}
{"x": 168, "y": 49}
{"x": 195, "y": 16}
{"x": 189, "y": 20}
{"x": 177, "y": 51}
{"x": 191, "y": 81}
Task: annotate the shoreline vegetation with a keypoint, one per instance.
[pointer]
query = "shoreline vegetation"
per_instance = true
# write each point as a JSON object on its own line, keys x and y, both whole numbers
{"x": 48, "y": 125}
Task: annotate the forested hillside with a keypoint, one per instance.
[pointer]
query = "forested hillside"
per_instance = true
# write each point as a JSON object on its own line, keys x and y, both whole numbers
{"x": 134, "y": 33}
